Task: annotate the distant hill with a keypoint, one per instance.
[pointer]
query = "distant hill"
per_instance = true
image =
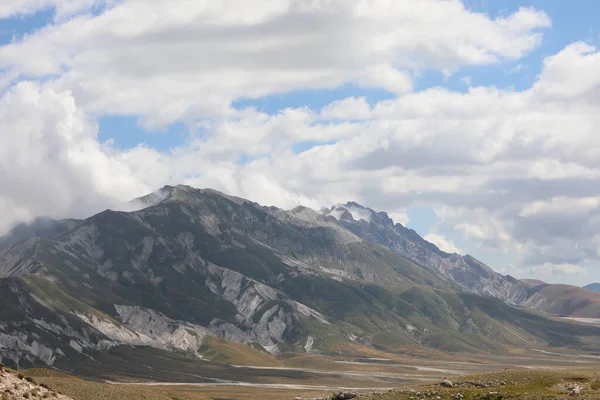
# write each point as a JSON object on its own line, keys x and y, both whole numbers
{"x": 533, "y": 282}
{"x": 593, "y": 286}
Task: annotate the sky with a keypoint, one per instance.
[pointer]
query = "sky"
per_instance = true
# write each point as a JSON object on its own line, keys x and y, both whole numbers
{"x": 473, "y": 122}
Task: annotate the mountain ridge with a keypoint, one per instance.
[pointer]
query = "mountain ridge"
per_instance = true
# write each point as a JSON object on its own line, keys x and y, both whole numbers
{"x": 194, "y": 264}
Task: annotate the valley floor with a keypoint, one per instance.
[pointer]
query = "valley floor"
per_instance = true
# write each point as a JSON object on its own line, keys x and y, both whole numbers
{"x": 534, "y": 374}
{"x": 508, "y": 384}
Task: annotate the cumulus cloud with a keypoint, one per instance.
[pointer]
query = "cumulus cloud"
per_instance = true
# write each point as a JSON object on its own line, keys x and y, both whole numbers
{"x": 183, "y": 59}
{"x": 443, "y": 243}
{"x": 350, "y": 108}
{"x": 50, "y": 161}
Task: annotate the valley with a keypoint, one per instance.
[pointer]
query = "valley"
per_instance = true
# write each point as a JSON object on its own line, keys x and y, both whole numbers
{"x": 317, "y": 377}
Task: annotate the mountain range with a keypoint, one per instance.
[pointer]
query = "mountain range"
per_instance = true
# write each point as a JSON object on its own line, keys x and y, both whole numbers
{"x": 191, "y": 268}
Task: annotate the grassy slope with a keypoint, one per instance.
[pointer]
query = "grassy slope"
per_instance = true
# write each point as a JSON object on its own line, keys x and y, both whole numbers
{"x": 572, "y": 301}
{"x": 226, "y": 352}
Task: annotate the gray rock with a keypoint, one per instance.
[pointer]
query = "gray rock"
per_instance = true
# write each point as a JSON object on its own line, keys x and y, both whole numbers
{"x": 575, "y": 391}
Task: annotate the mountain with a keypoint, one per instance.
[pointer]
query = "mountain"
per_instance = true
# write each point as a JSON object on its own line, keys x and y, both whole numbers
{"x": 593, "y": 286}
{"x": 565, "y": 300}
{"x": 197, "y": 271}
{"x": 468, "y": 272}
{"x": 533, "y": 282}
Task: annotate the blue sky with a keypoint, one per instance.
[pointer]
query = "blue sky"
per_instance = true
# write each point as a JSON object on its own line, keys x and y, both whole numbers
{"x": 122, "y": 131}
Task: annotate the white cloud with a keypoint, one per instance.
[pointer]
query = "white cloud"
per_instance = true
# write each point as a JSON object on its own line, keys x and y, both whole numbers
{"x": 359, "y": 213}
{"x": 50, "y": 161}
{"x": 549, "y": 269}
{"x": 571, "y": 74}
{"x": 443, "y": 243}
{"x": 183, "y": 59}
{"x": 386, "y": 77}
{"x": 399, "y": 217}
{"x": 560, "y": 205}
{"x": 350, "y": 108}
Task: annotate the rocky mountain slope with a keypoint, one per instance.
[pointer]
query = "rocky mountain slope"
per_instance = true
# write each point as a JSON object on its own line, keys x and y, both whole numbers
{"x": 470, "y": 273}
{"x": 196, "y": 264}
{"x": 565, "y": 300}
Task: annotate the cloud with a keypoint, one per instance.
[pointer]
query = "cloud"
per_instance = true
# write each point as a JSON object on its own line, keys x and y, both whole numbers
{"x": 443, "y": 243}
{"x": 560, "y": 205}
{"x": 350, "y": 108}
{"x": 50, "y": 161}
{"x": 557, "y": 82}
{"x": 386, "y": 77}
{"x": 182, "y": 59}
{"x": 548, "y": 269}
{"x": 399, "y": 217}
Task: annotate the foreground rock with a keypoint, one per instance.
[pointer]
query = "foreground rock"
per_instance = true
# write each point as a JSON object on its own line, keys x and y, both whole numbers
{"x": 15, "y": 386}
{"x": 344, "y": 396}
{"x": 335, "y": 396}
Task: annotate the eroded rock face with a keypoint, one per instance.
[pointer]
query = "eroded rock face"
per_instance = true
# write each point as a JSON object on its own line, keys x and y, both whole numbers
{"x": 166, "y": 331}
{"x": 118, "y": 333}
{"x": 264, "y": 315}
{"x": 33, "y": 332}
{"x": 19, "y": 346}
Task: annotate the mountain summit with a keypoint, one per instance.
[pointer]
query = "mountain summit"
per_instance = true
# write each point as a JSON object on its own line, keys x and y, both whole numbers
{"x": 192, "y": 265}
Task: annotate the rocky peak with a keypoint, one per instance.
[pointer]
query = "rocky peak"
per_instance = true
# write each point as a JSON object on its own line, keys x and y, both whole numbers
{"x": 349, "y": 212}
{"x": 306, "y": 213}
{"x": 354, "y": 204}
{"x": 154, "y": 198}
{"x": 183, "y": 194}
